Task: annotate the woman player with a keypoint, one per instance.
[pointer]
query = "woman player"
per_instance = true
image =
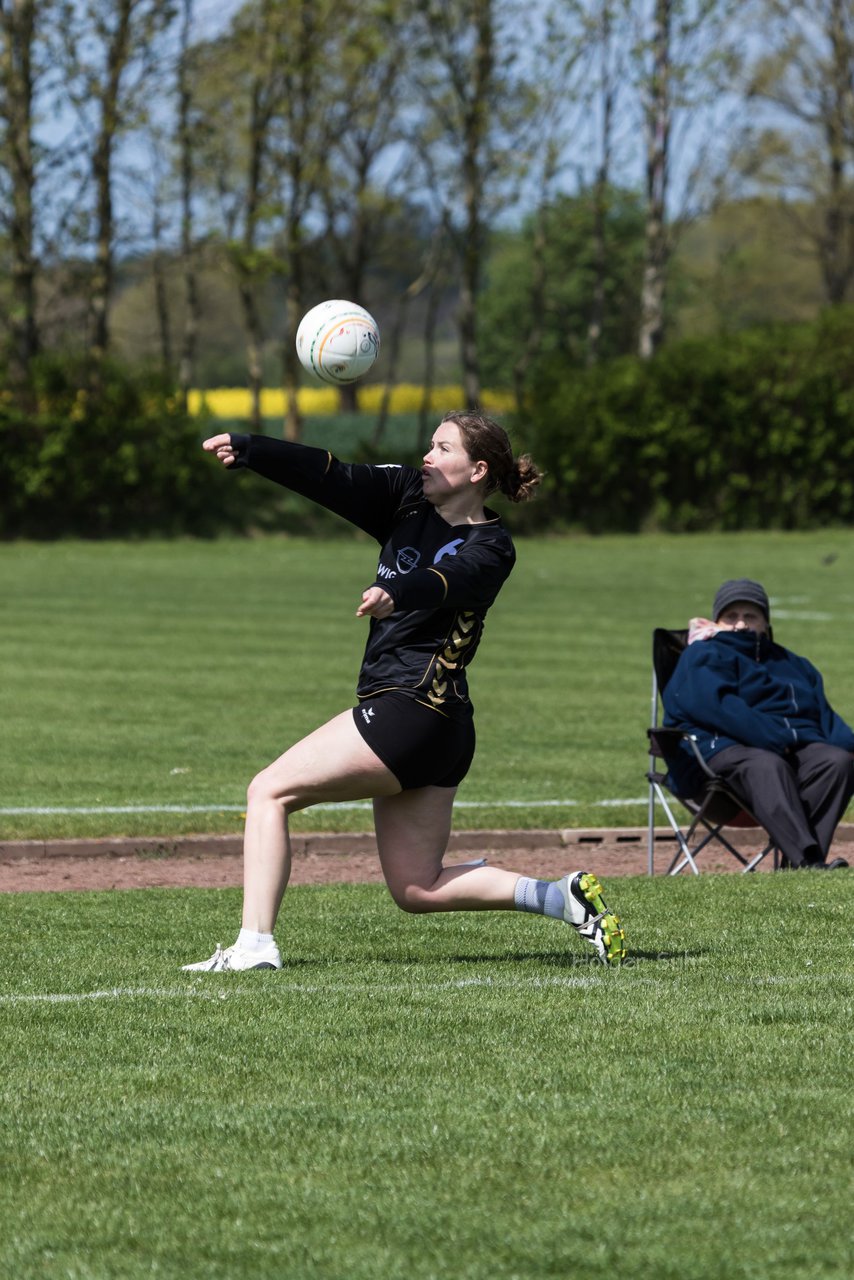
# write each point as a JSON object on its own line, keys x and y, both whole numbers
{"x": 410, "y": 740}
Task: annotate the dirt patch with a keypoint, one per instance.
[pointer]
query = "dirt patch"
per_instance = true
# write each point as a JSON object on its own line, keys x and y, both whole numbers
{"x": 215, "y": 862}
{"x": 226, "y": 870}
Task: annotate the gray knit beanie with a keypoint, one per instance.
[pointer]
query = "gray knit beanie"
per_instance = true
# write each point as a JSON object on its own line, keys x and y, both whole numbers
{"x": 740, "y": 589}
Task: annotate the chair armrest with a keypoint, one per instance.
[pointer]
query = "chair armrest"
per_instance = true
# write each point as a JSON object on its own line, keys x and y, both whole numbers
{"x": 664, "y": 742}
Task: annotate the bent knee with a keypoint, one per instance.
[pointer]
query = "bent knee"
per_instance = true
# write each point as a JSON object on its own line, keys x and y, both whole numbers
{"x": 831, "y": 760}
{"x": 842, "y": 767}
{"x": 414, "y": 899}
{"x": 842, "y": 760}
{"x": 263, "y": 787}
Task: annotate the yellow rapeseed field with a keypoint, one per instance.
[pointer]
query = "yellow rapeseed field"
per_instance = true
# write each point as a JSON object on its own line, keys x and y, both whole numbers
{"x": 234, "y": 402}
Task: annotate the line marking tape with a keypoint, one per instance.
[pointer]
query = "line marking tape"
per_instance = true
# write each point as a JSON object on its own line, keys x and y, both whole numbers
{"x": 48, "y": 810}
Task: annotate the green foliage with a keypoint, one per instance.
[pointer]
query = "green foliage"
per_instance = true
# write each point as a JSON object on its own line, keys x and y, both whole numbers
{"x": 467, "y": 1096}
{"x": 508, "y": 310}
{"x": 748, "y": 431}
{"x": 748, "y": 263}
{"x": 107, "y": 453}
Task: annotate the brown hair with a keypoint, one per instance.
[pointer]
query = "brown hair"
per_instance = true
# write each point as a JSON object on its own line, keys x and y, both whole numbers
{"x": 486, "y": 441}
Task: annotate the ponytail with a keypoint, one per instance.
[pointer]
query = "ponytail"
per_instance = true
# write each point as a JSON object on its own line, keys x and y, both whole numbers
{"x": 485, "y": 440}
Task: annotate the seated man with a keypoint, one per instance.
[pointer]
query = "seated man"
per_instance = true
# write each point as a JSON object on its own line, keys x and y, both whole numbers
{"x": 763, "y": 724}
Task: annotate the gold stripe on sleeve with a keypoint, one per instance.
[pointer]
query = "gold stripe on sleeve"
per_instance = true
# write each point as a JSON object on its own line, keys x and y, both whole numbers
{"x": 444, "y": 580}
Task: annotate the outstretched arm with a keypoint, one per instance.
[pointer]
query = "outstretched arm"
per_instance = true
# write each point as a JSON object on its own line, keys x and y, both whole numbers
{"x": 367, "y": 496}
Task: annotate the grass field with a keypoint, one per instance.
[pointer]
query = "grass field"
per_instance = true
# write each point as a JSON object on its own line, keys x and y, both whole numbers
{"x": 162, "y": 675}
{"x": 467, "y": 1097}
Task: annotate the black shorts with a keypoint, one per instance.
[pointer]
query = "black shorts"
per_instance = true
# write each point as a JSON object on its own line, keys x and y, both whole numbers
{"x": 421, "y": 747}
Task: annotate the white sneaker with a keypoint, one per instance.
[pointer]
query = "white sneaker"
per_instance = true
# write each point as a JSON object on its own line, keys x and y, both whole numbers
{"x": 585, "y": 910}
{"x": 236, "y": 958}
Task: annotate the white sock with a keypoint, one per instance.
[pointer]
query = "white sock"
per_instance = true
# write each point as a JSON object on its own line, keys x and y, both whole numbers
{"x": 249, "y": 940}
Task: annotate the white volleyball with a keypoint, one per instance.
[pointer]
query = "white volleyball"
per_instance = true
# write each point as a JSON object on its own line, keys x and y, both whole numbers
{"x": 338, "y": 341}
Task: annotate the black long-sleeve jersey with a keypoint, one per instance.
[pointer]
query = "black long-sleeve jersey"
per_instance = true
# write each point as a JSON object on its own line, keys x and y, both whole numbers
{"x": 441, "y": 577}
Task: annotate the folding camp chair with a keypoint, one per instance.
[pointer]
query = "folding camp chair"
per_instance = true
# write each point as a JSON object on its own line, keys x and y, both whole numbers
{"x": 716, "y": 806}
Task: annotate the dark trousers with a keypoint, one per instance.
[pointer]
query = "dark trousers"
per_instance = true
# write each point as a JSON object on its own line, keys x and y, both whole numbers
{"x": 799, "y": 798}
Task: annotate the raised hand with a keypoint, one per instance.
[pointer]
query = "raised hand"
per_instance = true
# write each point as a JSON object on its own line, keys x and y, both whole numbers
{"x": 221, "y": 445}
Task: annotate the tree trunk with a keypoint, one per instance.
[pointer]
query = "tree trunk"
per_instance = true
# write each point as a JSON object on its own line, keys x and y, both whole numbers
{"x": 835, "y": 247}
{"x": 16, "y": 75}
{"x": 117, "y": 52}
{"x": 161, "y": 295}
{"x": 658, "y": 112}
{"x": 295, "y": 290}
{"x": 247, "y": 268}
{"x": 596, "y": 323}
{"x": 431, "y": 269}
{"x": 355, "y": 266}
{"x": 425, "y": 413}
{"x": 254, "y": 342}
{"x": 293, "y": 313}
{"x": 189, "y": 336}
{"x": 302, "y": 94}
{"x": 534, "y": 336}
{"x": 475, "y": 127}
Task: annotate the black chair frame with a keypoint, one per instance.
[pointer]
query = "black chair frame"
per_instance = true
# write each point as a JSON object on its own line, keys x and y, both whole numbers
{"x": 716, "y": 806}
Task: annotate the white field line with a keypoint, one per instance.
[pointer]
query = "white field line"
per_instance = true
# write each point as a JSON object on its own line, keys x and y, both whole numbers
{"x": 203, "y": 992}
{"x": 48, "y": 810}
{"x": 200, "y": 989}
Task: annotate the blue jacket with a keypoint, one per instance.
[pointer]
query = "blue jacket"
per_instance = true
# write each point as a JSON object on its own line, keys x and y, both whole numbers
{"x": 742, "y": 688}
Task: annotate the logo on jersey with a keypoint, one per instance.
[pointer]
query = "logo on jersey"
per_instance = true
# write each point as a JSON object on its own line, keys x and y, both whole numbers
{"x": 407, "y": 559}
{"x": 449, "y": 549}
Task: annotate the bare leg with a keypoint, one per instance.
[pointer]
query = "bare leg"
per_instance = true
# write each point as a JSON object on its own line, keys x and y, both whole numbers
{"x": 332, "y": 764}
{"x": 412, "y": 835}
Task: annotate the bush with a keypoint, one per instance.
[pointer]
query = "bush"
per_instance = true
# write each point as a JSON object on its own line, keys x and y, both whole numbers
{"x": 744, "y": 432}
{"x": 750, "y": 431}
{"x": 107, "y": 455}
{"x": 110, "y": 453}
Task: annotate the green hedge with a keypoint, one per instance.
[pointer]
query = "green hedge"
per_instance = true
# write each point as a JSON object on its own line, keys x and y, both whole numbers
{"x": 108, "y": 453}
{"x": 750, "y": 431}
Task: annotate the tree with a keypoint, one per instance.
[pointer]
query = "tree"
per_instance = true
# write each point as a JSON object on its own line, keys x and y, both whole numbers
{"x": 257, "y": 34}
{"x": 808, "y": 75}
{"x": 559, "y": 68}
{"x": 110, "y": 52}
{"x": 160, "y": 256}
{"x": 511, "y": 308}
{"x": 19, "y": 21}
{"x": 578, "y": 68}
{"x": 686, "y": 55}
{"x": 233, "y": 83}
{"x": 474, "y": 105}
{"x": 261, "y": 88}
{"x": 187, "y": 125}
{"x": 308, "y": 119}
{"x": 657, "y": 125}
{"x": 363, "y": 183}
{"x": 607, "y": 86}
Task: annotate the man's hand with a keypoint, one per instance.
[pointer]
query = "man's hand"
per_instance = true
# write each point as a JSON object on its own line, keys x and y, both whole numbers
{"x": 376, "y": 603}
{"x": 222, "y": 447}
